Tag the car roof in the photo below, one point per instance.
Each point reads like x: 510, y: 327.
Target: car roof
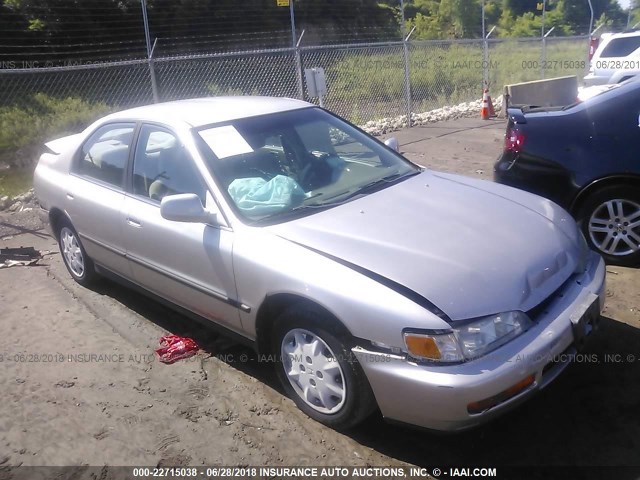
x: 205, y: 111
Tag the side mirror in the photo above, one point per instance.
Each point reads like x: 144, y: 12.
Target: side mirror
x: 392, y: 143
x: 185, y: 207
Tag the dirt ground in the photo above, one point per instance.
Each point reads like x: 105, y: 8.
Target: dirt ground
x: 80, y: 383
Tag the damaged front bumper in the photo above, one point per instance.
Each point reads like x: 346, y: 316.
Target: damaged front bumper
x: 439, y: 397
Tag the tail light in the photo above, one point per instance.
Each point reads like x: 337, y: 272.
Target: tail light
x: 513, y: 140
x: 593, y: 46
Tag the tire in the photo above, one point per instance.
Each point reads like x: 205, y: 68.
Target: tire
x: 78, y: 263
x: 610, y: 221
x: 338, y: 393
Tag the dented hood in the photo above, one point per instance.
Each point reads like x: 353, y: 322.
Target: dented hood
x: 470, y: 247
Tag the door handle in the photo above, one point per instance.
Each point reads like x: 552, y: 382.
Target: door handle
x: 133, y: 222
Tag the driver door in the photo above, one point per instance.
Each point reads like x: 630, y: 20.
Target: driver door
x: 186, y: 263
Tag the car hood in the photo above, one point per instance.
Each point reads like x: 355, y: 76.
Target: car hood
x: 470, y: 247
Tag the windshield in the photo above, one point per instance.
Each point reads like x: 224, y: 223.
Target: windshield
x: 274, y: 165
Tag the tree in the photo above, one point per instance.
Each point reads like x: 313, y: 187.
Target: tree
x: 635, y: 12
x: 446, y: 18
x: 577, y: 14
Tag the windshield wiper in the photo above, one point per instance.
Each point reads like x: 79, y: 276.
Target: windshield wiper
x: 392, y: 178
x: 388, y: 179
x: 318, y: 206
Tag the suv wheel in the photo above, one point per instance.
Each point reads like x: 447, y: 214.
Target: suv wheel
x: 610, y: 220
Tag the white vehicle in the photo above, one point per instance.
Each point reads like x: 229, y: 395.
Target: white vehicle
x: 617, y: 59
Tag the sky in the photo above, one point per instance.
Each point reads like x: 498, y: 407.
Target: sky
x: 624, y: 3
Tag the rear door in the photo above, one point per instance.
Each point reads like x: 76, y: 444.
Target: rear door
x: 615, y: 116
x: 186, y: 263
x: 95, y: 194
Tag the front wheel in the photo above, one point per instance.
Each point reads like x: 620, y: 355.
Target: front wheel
x: 318, y: 372
x: 610, y: 221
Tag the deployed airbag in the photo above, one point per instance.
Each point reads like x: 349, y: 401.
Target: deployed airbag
x: 257, y: 196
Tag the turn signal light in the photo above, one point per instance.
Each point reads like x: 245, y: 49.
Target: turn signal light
x: 422, y: 346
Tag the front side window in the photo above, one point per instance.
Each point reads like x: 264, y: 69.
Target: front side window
x: 275, y: 164
x: 162, y: 167
x: 104, y: 155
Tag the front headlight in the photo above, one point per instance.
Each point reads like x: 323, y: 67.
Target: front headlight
x: 467, y: 341
x: 483, y: 335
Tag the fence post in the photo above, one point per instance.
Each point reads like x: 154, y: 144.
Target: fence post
x: 296, y: 45
x: 407, y: 77
x: 543, y: 52
x: 152, y: 71
x: 150, y: 49
x: 299, y: 72
x: 485, y: 52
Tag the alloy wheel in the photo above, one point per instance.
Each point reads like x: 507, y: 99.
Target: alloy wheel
x: 614, y: 227
x: 72, y: 251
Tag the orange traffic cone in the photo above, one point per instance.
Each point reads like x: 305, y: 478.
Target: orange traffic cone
x: 484, y: 111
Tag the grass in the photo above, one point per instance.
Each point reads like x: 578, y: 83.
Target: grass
x: 364, y: 84
x: 31, y: 121
x: 369, y: 84
x: 14, y: 181
x: 34, y: 119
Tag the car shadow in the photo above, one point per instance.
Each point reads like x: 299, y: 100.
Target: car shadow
x: 209, y: 339
x: 587, y: 416
x: 16, y: 230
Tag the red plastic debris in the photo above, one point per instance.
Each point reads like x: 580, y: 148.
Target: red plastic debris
x: 174, y: 348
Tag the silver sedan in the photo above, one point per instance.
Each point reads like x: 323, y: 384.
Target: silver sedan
x: 371, y: 282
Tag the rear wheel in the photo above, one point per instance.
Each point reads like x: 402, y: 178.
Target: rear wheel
x: 318, y: 371
x: 610, y: 221
x: 74, y: 256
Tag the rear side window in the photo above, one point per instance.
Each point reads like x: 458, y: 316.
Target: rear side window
x: 162, y: 167
x: 621, y: 47
x: 104, y: 155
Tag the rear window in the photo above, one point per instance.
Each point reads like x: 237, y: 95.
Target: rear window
x: 621, y: 47
x: 104, y: 155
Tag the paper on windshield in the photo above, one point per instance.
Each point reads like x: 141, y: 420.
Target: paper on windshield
x: 225, y: 141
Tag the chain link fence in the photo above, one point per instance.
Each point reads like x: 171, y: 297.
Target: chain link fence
x: 445, y: 73
x: 527, y: 59
x: 365, y: 81
x: 269, y: 72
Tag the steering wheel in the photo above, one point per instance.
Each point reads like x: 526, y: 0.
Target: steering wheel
x: 317, y: 173
x: 162, y: 174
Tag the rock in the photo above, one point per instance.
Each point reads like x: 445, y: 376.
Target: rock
x: 14, y: 206
x: 4, y: 202
x: 65, y: 384
x: 448, y: 112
